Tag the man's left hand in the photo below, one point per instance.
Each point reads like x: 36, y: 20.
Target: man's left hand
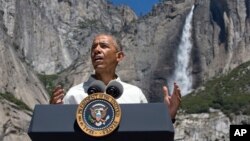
x: 173, y: 102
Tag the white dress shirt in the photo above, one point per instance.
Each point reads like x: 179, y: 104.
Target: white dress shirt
x: 131, y: 93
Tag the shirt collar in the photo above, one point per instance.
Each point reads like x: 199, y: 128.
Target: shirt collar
x: 92, y: 79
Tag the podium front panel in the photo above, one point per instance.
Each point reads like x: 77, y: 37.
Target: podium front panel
x: 140, y: 122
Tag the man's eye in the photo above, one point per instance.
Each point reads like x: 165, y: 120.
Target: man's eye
x: 104, y: 46
x: 93, y: 46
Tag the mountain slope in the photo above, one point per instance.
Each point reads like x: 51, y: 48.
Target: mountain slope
x: 229, y: 92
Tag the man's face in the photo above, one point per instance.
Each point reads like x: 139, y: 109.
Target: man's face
x: 104, y: 54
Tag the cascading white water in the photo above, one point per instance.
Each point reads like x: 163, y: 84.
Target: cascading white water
x: 182, y: 74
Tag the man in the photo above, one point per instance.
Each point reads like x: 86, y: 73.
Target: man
x: 106, y: 53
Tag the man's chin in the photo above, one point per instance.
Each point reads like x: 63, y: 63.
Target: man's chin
x: 99, y: 68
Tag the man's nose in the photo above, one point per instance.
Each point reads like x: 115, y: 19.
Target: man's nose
x: 97, y: 49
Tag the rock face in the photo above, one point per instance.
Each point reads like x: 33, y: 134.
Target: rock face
x: 16, y: 77
x: 53, y: 34
x: 14, y: 122
x: 208, y: 126
x: 50, y: 37
x: 221, y: 37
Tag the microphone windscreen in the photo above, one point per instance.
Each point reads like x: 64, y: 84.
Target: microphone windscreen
x: 114, y: 88
x: 96, y: 86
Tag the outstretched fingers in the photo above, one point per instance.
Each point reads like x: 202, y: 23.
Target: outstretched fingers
x: 177, y: 92
x: 166, y: 95
x: 175, y: 101
x: 57, y: 95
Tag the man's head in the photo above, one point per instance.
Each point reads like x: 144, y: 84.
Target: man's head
x: 106, y: 53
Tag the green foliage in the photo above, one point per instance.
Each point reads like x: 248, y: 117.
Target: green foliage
x: 229, y: 93
x: 48, y: 81
x: 11, y: 98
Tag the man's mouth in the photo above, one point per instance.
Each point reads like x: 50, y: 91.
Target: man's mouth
x: 98, y: 58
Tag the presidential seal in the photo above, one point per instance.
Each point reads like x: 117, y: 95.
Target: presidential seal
x: 98, y: 114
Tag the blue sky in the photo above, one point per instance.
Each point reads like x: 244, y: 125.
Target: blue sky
x: 141, y: 7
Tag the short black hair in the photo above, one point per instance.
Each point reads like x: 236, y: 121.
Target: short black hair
x: 116, y: 41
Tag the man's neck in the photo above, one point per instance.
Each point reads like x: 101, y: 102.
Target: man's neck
x: 105, y: 77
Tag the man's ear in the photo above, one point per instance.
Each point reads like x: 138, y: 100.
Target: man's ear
x: 120, y: 55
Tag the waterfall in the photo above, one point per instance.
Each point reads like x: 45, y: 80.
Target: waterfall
x: 182, y: 74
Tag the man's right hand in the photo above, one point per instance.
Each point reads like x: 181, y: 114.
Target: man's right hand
x: 57, y: 95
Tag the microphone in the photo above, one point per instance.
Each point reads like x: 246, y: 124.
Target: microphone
x: 114, y: 88
x: 96, y: 87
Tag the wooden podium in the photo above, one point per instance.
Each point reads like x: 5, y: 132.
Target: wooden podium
x: 139, y: 122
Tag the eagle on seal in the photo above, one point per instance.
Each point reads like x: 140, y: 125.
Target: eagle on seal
x: 98, y: 115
